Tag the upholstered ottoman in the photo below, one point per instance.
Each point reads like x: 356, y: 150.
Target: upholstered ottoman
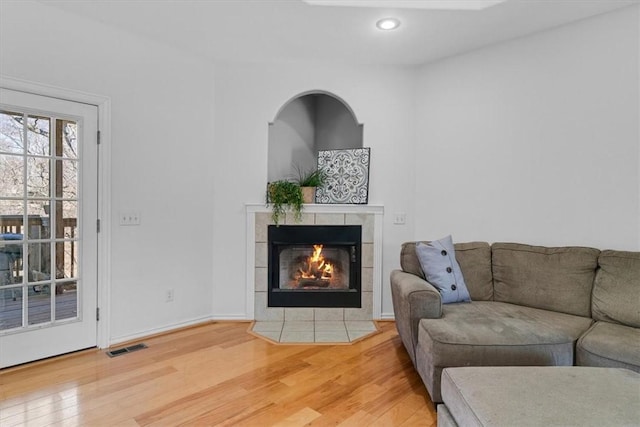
x: 539, y: 396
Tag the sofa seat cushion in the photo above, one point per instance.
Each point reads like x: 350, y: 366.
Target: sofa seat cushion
x: 488, y: 333
x: 494, y: 333
x: 610, y: 345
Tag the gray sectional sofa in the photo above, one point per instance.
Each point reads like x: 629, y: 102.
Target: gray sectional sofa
x: 531, y: 306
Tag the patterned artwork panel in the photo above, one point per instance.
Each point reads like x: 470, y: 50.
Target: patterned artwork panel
x: 347, y: 173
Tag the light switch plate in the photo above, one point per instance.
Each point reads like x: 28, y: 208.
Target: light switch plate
x: 400, y: 218
x: 129, y: 218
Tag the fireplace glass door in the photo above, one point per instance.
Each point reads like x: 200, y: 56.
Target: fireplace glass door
x: 314, y: 266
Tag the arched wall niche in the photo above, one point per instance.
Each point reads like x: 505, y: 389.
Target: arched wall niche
x: 307, y: 123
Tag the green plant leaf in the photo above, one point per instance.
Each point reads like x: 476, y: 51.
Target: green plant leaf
x: 311, y: 178
x: 285, y: 196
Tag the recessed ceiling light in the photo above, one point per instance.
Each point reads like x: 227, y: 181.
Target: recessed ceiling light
x: 388, y: 24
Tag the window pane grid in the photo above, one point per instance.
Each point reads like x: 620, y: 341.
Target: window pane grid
x: 40, y: 208
x: 12, y: 132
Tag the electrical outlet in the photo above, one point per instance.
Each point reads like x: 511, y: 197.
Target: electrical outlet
x: 400, y: 218
x: 169, y: 295
x: 129, y: 218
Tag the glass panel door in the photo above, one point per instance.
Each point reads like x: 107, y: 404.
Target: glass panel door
x: 48, y: 200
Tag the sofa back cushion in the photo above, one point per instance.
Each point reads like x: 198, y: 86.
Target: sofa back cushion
x: 616, y: 292
x: 558, y: 279
x: 475, y: 262
x: 409, y: 261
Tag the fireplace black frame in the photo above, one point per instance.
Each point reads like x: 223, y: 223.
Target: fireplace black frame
x: 347, y: 236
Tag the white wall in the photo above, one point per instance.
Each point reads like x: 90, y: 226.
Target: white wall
x: 336, y: 127
x: 304, y: 126
x: 534, y: 140
x: 248, y: 98
x: 162, y: 154
x: 292, y: 139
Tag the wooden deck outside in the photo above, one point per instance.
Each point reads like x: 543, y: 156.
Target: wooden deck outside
x: 39, y: 307
x: 38, y: 228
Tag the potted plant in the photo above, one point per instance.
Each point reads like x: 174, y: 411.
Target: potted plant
x: 284, y: 196
x: 308, y: 181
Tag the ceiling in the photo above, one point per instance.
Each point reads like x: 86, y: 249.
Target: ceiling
x: 411, y: 4
x: 294, y: 30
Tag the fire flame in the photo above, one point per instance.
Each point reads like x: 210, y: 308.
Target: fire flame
x: 316, y: 267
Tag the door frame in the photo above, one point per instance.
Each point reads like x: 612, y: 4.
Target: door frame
x: 104, y: 187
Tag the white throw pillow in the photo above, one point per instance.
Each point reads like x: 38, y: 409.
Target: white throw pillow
x: 438, y: 262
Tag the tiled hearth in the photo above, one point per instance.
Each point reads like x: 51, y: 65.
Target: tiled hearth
x: 314, y: 332
x: 370, y: 217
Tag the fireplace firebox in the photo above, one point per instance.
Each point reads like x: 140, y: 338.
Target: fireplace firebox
x: 314, y: 265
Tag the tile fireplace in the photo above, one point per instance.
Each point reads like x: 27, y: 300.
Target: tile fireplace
x: 367, y: 218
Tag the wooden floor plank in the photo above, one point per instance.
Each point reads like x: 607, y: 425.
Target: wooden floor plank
x: 359, y: 419
x: 403, y: 411
x: 300, y: 418
x: 218, y: 374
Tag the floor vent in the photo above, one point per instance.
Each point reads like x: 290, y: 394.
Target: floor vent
x: 125, y: 350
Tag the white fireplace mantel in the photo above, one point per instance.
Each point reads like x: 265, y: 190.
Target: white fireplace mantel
x: 377, y: 211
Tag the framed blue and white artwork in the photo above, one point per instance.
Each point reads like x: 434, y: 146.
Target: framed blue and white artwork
x: 347, y: 176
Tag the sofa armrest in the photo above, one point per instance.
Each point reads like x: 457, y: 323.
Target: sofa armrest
x: 413, y: 299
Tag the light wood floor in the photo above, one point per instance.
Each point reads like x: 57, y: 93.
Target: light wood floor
x: 218, y: 374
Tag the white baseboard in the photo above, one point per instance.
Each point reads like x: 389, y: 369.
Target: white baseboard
x: 162, y: 329
x: 194, y: 322
x: 240, y: 316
